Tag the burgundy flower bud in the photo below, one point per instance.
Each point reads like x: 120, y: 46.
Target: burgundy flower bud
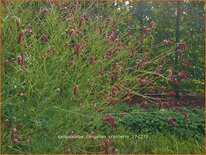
x: 20, y: 36
x: 81, y: 21
x: 12, y: 132
x: 19, y: 59
x: 78, y: 48
x: 171, y: 121
x: 167, y: 105
x: 91, y: 60
x: 172, y: 93
x: 139, y: 64
x: 183, y: 75
x: 142, y: 81
x: 15, y: 141
x: 106, y: 144
x: 44, y: 38
x: 151, y: 24
x: 75, y: 90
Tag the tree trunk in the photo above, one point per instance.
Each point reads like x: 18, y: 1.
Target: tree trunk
x: 177, y: 41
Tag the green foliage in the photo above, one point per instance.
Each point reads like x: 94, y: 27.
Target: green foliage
x: 192, y: 27
x: 151, y: 122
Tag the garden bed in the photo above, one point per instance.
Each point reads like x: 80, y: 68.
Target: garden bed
x: 182, y: 101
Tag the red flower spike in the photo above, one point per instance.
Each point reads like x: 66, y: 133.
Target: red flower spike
x: 129, y: 31
x: 91, y: 60
x: 146, y: 105
x: 75, y: 90
x: 30, y: 31
x: 71, y: 32
x: 171, y: 121
x: 176, y: 109
x: 111, y: 37
x: 116, y: 50
x: 142, y: 82
x: 15, y: 141
x: 160, y: 102
x: 102, y: 17
x: 114, y: 75
x: 19, y: 59
x: 101, y: 68
x: 118, y: 88
x: 74, y: 6
x: 187, y: 64
x: 114, y: 66
x: 134, y: 55
x: 12, y: 132
x: 171, y: 93
x: 181, y: 46
x: 113, y: 90
x: 114, y: 87
x: 111, y: 102
x: 99, y: 146
x: 119, y: 43
x: 185, y: 117
x: 70, y: 64
x: 78, y: 48
x: 175, y: 81
x: 106, y: 144
x: 109, y: 119
x: 27, y: 45
x: 70, y: 16
x: 167, y: 105
x: 20, y: 36
x: 100, y: 29
x: 172, y: 101
x: 101, y: 94
x: 151, y: 24
x: 107, y: 57
x: 139, y: 64
x: 157, y: 70
x: 183, y: 75
x: 100, y: 110
x: 81, y: 21
x: 44, y: 38
x: 146, y: 29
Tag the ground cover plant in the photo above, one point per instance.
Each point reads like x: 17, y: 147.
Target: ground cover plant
x: 70, y: 71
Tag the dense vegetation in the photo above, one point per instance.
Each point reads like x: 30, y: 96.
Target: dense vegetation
x: 71, y: 69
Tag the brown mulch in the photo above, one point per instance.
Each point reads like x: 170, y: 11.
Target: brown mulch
x: 182, y: 101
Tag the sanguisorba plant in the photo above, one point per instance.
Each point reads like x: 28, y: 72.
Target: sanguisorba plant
x: 68, y: 65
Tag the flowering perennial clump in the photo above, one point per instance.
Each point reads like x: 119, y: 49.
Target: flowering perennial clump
x: 82, y: 60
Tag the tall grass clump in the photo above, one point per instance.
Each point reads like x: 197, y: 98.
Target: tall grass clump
x: 68, y: 65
